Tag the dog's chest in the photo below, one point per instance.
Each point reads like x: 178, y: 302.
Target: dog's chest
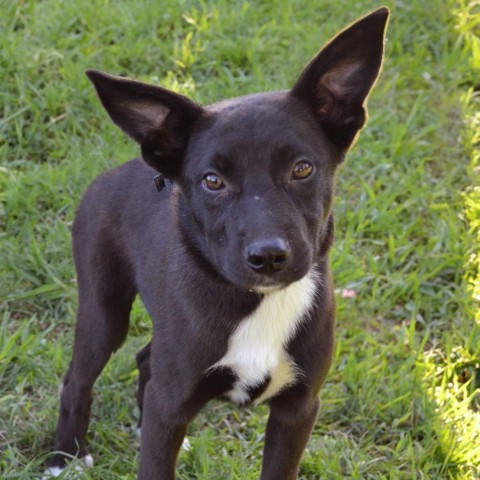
x: 257, y: 348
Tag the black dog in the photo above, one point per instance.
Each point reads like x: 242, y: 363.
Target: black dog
x: 230, y: 259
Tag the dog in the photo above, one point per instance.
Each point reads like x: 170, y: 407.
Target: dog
x: 229, y: 255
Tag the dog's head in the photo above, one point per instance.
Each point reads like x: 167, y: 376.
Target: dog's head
x: 256, y: 173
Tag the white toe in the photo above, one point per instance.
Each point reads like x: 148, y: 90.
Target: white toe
x: 186, y: 445
x: 52, y: 472
x: 79, y: 465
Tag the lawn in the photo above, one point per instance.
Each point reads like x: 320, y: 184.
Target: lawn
x: 402, y: 400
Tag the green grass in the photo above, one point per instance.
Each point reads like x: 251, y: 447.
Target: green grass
x: 402, y: 400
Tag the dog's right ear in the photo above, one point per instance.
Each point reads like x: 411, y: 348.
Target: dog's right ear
x: 158, y: 119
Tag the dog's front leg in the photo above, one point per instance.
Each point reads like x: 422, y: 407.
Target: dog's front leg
x: 289, y: 426
x: 163, y: 429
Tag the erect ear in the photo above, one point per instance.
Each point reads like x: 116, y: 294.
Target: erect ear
x: 158, y: 119
x: 338, y: 80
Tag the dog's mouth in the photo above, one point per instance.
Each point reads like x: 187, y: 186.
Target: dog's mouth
x: 270, y: 286
x: 266, y: 285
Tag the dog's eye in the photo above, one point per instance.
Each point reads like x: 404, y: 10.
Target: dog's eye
x: 213, y: 182
x: 302, y: 169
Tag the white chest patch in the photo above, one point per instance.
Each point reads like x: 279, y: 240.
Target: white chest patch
x: 257, y: 346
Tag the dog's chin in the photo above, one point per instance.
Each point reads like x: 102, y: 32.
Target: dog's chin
x: 265, y: 290
x: 262, y: 288
x: 266, y: 285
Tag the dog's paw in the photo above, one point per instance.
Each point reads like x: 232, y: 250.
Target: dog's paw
x: 87, y: 461
x: 79, y: 465
x: 186, y: 445
x: 52, y: 472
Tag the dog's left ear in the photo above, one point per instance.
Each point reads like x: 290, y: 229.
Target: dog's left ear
x: 338, y: 80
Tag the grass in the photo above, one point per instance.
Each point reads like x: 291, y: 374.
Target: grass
x: 403, y: 398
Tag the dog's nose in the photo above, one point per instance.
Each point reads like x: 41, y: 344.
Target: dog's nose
x: 267, y: 256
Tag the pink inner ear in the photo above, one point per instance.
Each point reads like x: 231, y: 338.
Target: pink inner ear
x: 325, y: 102
x: 335, y: 88
x: 341, y: 80
x: 149, y: 116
